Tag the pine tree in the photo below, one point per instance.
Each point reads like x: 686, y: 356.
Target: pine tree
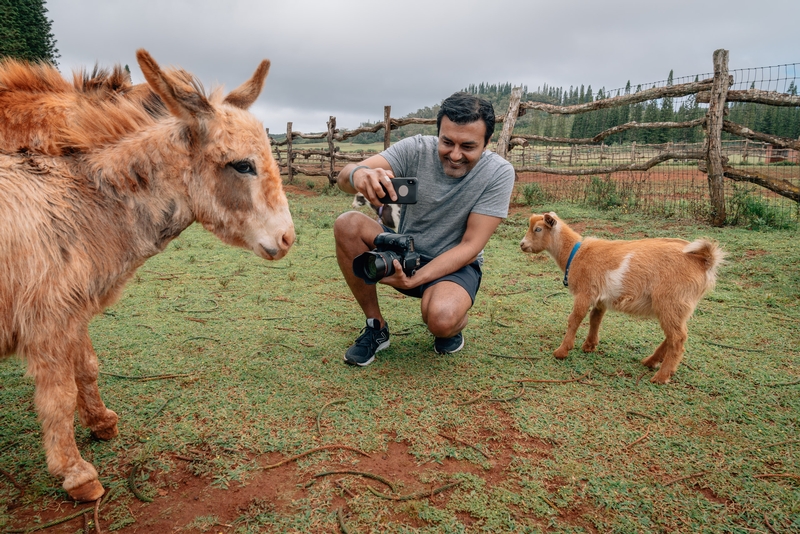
x: 25, y: 31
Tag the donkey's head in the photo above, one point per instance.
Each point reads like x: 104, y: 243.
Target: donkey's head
x: 234, y: 184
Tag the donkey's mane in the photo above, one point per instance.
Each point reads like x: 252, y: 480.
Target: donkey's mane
x: 29, y: 77
x: 115, y: 80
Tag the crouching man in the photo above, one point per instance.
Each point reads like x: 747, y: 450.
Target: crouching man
x: 463, y: 194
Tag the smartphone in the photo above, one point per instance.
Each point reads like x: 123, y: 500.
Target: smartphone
x: 406, y: 189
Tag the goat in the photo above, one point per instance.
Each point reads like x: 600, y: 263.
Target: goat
x: 387, y: 214
x: 661, y: 278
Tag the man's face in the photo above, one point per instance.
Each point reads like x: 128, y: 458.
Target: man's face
x: 460, y: 146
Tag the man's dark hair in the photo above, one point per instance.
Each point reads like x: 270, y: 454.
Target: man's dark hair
x: 463, y: 108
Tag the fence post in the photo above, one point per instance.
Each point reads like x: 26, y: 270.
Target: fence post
x: 289, y: 155
x: 332, y: 150
x: 509, y: 122
x: 716, y: 109
x: 387, y: 126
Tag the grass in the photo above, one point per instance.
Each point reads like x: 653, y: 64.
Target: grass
x: 251, y: 355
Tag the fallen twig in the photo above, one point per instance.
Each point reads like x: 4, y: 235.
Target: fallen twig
x: 514, y: 357
x: 202, y: 337
x: 340, y: 518
x: 680, y: 479
x: 358, y: 473
x: 552, y: 505
x: 347, y: 491
x: 147, y: 378
x: 180, y: 308
x: 781, y: 384
x: 641, y: 376
x: 769, y: 526
x: 787, y: 442
x: 471, y: 401
x: 732, y: 347
x: 413, y: 496
x: 340, y: 401
x: 452, y: 438
x: 641, y: 415
x: 642, y: 438
x: 132, y: 485
x: 584, y: 375
x: 97, y: 517
x: 544, y: 300
x: 316, y: 449
x: 104, y: 499
x: 778, y: 475
x: 20, y: 488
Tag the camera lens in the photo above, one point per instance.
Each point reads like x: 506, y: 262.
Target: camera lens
x: 379, y: 264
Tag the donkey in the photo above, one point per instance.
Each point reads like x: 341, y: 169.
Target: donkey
x: 662, y: 278
x: 37, y: 105
x: 74, y: 229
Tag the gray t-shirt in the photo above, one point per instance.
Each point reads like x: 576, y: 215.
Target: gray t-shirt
x: 438, y: 220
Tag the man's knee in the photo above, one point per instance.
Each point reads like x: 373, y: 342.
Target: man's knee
x: 445, y: 309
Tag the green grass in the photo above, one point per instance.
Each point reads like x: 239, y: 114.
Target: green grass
x: 260, y: 349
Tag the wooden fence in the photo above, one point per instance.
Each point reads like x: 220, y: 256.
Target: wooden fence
x: 710, y: 157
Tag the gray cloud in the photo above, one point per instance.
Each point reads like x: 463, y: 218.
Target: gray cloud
x: 350, y: 58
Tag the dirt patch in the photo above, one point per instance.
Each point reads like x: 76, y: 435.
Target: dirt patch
x: 183, y: 496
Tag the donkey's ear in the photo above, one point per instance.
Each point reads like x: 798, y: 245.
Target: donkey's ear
x: 182, y: 100
x: 243, y: 96
x: 550, y: 219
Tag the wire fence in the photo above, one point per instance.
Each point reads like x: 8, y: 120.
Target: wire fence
x: 649, y: 148
x: 677, y: 187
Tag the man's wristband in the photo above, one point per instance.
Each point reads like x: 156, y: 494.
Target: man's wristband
x: 352, y: 172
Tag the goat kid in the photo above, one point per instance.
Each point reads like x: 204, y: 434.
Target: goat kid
x: 661, y: 278
x: 387, y: 214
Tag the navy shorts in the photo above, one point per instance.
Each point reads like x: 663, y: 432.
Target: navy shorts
x: 468, y: 277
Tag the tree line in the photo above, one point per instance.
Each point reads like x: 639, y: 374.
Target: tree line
x: 25, y: 31
x: 779, y: 121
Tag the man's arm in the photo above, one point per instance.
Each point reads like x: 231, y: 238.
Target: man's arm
x: 367, y: 181
x: 479, y: 229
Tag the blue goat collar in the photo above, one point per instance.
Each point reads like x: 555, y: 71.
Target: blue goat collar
x: 569, y: 262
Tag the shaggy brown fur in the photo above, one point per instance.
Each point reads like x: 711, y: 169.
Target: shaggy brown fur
x: 74, y: 228
x: 38, y: 106
x: 661, y: 278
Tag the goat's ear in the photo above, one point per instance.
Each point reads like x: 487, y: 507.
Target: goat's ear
x: 182, y: 99
x: 550, y: 220
x: 243, y: 96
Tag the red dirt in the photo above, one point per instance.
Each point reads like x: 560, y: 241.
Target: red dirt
x: 183, y: 496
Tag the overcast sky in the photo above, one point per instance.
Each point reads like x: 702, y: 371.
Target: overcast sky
x: 350, y: 58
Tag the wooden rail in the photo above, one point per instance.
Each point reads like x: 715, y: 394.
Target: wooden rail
x: 712, y: 91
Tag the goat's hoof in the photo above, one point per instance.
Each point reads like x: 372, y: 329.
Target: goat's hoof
x: 589, y: 347
x: 651, y: 362
x: 90, y: 491
x: 659, y: 378
x: 561, y: 354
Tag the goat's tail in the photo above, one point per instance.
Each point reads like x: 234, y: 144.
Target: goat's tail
x: 709, y: 254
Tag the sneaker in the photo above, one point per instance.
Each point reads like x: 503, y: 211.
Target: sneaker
x: 448, y: 345
x: 372, y: 339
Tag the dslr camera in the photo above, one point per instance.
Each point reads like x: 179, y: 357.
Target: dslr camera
x: 373, y: 265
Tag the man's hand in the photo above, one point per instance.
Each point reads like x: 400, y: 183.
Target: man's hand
x: 398, y: 280
x: 368, y: 182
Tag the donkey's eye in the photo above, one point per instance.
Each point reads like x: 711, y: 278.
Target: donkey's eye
x: 243, y: 167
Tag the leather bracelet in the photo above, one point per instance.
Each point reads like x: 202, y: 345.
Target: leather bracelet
x: 354, y: 171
